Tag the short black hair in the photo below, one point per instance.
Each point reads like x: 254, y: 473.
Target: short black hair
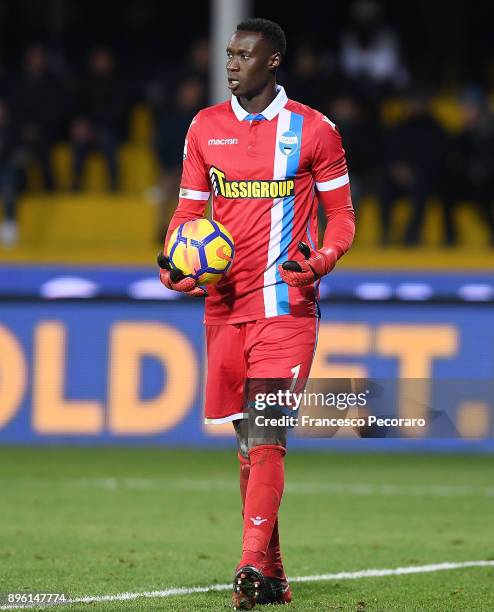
x: 269, y: 29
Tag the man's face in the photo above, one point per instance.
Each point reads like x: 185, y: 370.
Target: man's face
x: 251, y: 63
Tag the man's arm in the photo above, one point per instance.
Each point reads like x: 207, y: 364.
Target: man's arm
x: 332, y: 183
x: 191, y: 205
x: 194, y: 184
x: 193, y: 197
x: 336, y: 201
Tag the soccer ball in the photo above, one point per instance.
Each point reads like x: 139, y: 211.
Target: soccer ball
x: 202, y: 249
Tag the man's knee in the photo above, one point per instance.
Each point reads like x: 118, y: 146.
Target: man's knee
x: 274, y: 438
x: 248, y: 439
x: 243, y: 448
x: 268, y: 442
x: 242, y: 432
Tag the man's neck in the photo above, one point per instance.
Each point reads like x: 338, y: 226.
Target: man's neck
x: 256, y: 104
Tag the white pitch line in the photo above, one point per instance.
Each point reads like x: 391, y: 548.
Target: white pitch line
x: 302, y: 488
x: 399, y: 571
x: 370, y: 573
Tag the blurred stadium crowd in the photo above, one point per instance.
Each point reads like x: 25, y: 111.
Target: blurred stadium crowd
x: 401, y: 140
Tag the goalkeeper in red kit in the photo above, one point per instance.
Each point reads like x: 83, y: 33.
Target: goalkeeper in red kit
x: 267, y: 162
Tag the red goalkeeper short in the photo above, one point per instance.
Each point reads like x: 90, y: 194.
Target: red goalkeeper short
x: 279, y: 347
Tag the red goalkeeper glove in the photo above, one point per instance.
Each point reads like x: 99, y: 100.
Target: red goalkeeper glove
x: 306, y: 271
x: 174, y: 279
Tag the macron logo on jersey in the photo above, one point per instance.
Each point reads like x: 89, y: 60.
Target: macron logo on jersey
x: 214, y: 142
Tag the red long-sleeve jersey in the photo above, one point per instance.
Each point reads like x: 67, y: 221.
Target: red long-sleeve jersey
x: 265, y: 174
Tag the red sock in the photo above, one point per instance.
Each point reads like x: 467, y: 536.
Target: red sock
x: 263, y: 497
x: 244, y: 477
x: 273, y: 564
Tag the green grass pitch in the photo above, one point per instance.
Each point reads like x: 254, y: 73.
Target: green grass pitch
x: 105, y: 521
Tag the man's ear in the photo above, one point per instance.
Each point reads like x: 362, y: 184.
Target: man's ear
x: 274, y: 61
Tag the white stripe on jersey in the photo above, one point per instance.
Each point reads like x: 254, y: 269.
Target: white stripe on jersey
x: 192, y: 194
x: 333, y: 183
x: 280, y: 166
